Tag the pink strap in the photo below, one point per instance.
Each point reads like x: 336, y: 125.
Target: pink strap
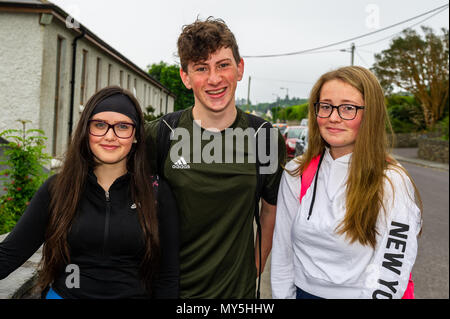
x: 409, y: 292
x: 308, y: 175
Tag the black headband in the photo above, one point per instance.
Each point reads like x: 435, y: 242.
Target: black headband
x: 119, y: 103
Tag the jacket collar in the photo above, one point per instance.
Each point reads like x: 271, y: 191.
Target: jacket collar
x: 92, y: 178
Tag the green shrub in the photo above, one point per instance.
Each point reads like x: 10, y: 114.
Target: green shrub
x: 303, y: 111
x: 297, y: 112
x: 402, y: 126
x: 149, y: 114
x: 24, y: 158
x: 406, y: 118
x: 443, y: 126
x: 397, y: 99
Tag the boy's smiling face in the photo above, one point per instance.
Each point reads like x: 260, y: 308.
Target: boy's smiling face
x: 214, y: 81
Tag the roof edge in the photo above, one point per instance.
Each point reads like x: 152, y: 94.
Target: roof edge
x: 48, y: 7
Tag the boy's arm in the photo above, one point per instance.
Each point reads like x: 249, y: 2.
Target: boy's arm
x: 269, y: 206
x: 267, y: 219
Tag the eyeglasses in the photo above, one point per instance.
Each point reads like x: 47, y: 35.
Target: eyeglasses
x: 100, y: 128
x: 345, y: 111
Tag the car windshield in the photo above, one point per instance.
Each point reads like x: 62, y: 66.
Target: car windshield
x: 282, y: 129
x: 294, y: 132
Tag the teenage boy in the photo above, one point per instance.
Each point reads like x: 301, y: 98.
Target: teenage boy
x: 216, y: 198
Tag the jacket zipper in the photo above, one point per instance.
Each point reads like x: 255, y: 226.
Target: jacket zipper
x: 106, y: 232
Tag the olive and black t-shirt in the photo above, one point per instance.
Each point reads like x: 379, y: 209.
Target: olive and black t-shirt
x: 215, y: 197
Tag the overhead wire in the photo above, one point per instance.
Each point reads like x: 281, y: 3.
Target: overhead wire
x: 440, y: 9
x: 276, y: 80
x: 362, y: 59
x: 411, y: 26
x: 435, y: 12
x: 359, y: 46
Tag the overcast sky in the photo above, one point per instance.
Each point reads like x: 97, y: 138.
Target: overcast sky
x: 146, y: 32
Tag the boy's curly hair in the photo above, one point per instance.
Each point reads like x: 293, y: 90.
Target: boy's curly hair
x: 200, y: 39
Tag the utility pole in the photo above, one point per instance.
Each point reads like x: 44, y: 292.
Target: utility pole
x: 248, y: 93
x: 275, y: 115
x: 352, y: 51
x: 286, y: 98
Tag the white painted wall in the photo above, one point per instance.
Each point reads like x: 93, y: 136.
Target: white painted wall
x: 48, y: 85
x: 171, y: 105
x: 28, y: 55
x: 21, y: 38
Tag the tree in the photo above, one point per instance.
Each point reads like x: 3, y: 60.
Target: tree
x: 169, y: 76
x: 405, y: 113
x: 420, y: 66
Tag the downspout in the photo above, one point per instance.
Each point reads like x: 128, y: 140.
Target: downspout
x: 167, y: 101
x: 72, y: 81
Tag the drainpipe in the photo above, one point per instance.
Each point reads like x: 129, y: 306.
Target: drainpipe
x: 72, y: 81
x: 167, y: 101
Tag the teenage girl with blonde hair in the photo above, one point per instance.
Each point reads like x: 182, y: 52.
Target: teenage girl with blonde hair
x: 354, y: 233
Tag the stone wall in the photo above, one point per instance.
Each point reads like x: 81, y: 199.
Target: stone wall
x: 20, y: 283
x: 412, y: 139
x: 433, y: 149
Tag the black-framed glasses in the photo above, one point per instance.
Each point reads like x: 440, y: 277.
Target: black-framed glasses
x: 345, y: 111
x: 121, y: 129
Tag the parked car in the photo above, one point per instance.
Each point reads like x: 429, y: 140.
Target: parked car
x: 292, y: 135
x: 302, y: 143
x: 281, y: 126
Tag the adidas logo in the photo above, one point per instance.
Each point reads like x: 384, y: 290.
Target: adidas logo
x: 181, y: 164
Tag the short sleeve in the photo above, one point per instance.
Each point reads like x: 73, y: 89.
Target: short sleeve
x: 272, y: 181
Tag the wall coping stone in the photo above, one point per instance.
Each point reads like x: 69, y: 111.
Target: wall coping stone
x: 20, y: 281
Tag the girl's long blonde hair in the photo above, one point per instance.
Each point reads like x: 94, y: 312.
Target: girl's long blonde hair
x: 370, y: 157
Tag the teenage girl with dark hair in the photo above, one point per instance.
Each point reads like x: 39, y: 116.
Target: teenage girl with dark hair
x: 101, y: 213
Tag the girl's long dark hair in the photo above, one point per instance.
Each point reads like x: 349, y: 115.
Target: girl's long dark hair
x: 72, y: 179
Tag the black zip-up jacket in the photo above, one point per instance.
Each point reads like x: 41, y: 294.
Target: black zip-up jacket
x: 105, y: 243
